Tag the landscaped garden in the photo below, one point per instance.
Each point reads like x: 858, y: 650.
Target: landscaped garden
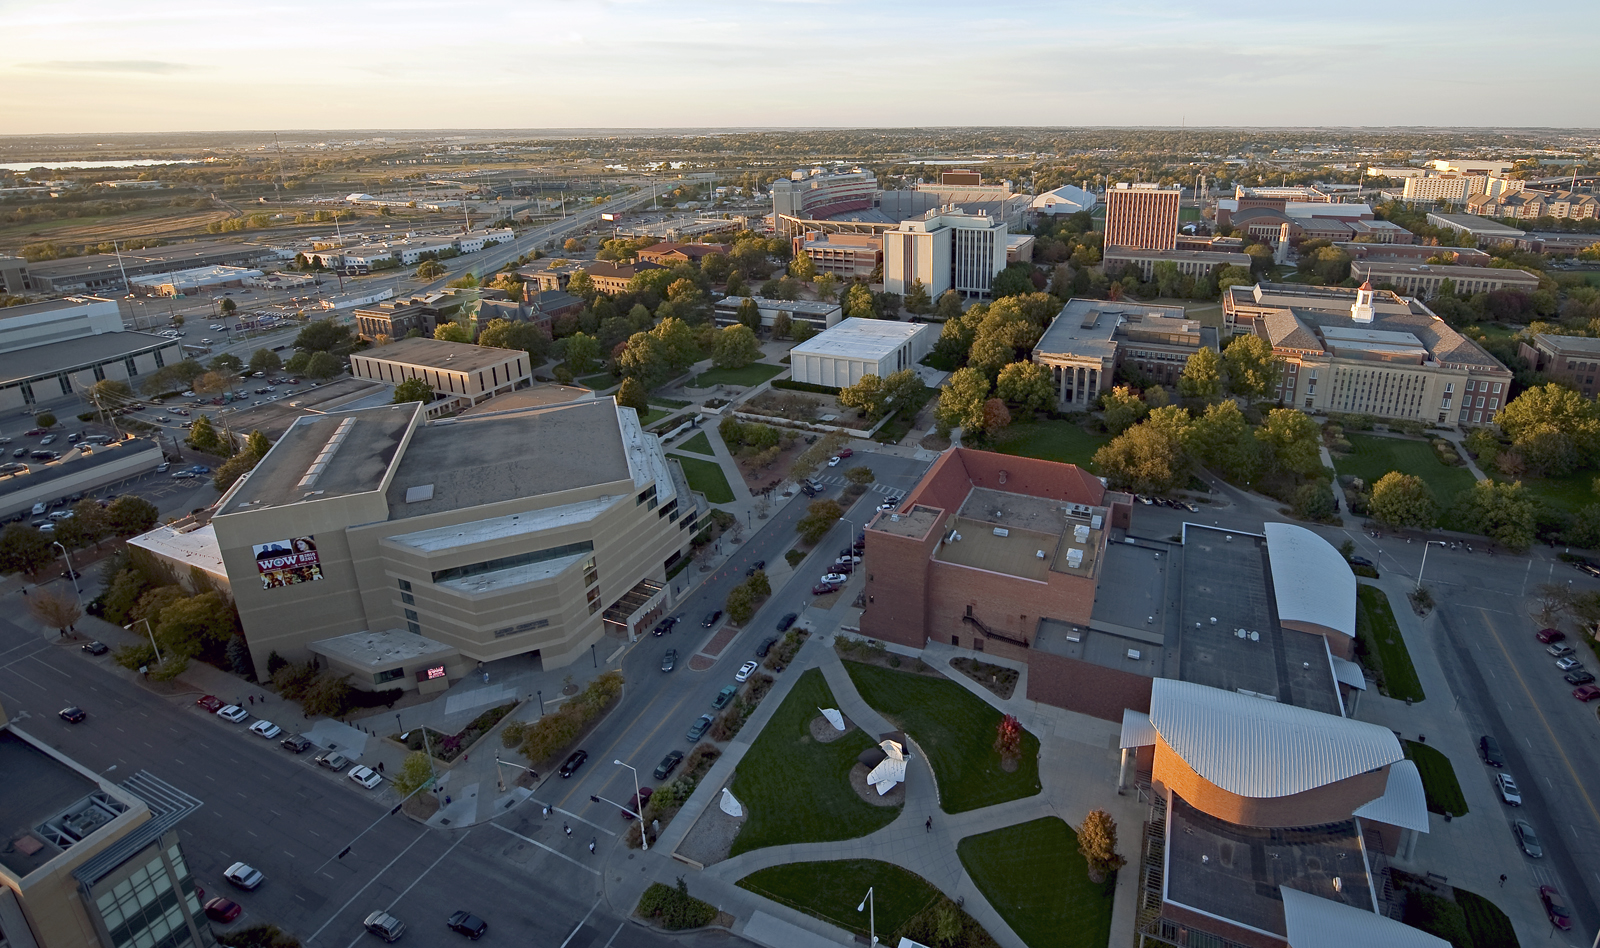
x: 1034, y: 876
x: 706, y: 477
x: 1381, y: 648
x: 1439, y: 782
x: 796, y: 789
x: 1372, y: 456
x: 699, y: 444
x: 1054, y: 439
x: 906, y: 905
x: 748, y: 376
x: 956, y: 730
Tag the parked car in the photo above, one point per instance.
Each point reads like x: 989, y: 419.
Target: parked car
x: 72, y: 715
x: 786, y: 621
x: 1559, y: 651
x: 668, y: 764
x: 724, y: 696
x: 365, y: 776
x: 889, y: 504
x: 711, y: 618
x: 333, y: 760
x: 297, y: 743
x: 669, y: 660
x: 758, y: 566
x: 637, y: 801
x: 701, y: 725
x: 846, y: 452
x: 385, y: 926
x: 266, y: 729
x: 1490, y: 748
x: 745, y: 671
x: 766, y: 646
x: 665, y: 625
x: 1549, y: 635
x: 210, y: 702
x: 573, y: 762
x: 838, y: 579
x: 822, y: 589
x: 1508, y: 789
x: 1555, y: 908
x: 1528, y: 839
x: 465, y: 923
x: 220, y: 909
x: 96, y: 648
x: 243, y: 876
x: 163, y: 467
x: 1580, y: 677
x: 1586, y: 692
x: 834, y: 461
x: 1569, y: 663
x: 233, y: 713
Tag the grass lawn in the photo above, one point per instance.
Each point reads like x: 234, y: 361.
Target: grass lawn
x: 1374, y: 456
x: 1438, y: 779
x: 956, y: 730
x: 905, y: 416
x: 832, y: 890
x: 1052, y: 440
x: 1570, y: 492
x: 1034, y: 877
x: 798, y: 790
x: 707, y: 478
x: 1488, y: 926
x: 652, y: 416
x: 750, y: 376
x: 1381, y: 648
x: 699, y: 444
x: 660, y: 402
x: 600, y: 382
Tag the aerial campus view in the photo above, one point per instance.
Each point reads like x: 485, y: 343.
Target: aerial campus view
x: 606, y: 476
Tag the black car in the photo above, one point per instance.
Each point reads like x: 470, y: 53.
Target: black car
x: 669, y: 660
x: 467, y: 924
x: 766, y: 646
x: 711, y: 619
x: 96, y: 648
x: 786, y: 621
x: 72, y: 715
x: 571, y: 765
x: 668, y: 764
x: 1579, y: 677
x: 665, y: 625
x: 1491, y: 751
x: 297, y: 743
x: 758, y: 567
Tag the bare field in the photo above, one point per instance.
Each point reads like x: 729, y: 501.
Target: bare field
x: 164, y: 222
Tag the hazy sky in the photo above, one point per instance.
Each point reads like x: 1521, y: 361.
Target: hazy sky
x: 154, y: 65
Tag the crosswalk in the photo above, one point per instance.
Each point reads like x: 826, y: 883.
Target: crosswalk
x: 834, y: 480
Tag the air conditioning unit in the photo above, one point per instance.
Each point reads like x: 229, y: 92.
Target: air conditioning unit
x: 1001, y: 532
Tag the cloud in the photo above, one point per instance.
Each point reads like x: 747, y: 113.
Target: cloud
x: 148, y: 67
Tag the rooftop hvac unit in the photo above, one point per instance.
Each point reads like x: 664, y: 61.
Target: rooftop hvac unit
x: 1039, y: 554
x: 1001, y: 532
x: 1074, y: 558
x: 1075, y: 636
x: 1096, y: 521
x: 1080, y: 533
x: 1230, y: 538
x: 1133, y: 654
x: 1240, y: 633
x: 1255, y: 636
x: 894, y: 517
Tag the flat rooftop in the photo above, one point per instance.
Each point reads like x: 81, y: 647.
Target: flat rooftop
x: 1584, y: 344
x: 378, y: 649
x: 814, y: 307
x: 1382, y: 268
x: 1472, y: 223
x: 861, y: 338
x: 1086, y: 327
x: 197, y: 547
x: 71, y: 354
x: 357, y: 464
x: 274, y: 418
x: 914, y: 523
x: 75, y: 459
x: 540, y: 395
x: 1234, y: 872
x: 438, y: 354
x: 1099, y: 647
x: 1018, y: 535
x: 1226, y: 586
x: 36, y: 788
x: 1137, y: 593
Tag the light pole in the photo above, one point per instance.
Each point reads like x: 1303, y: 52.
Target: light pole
x: 872, y: 917
x: 71, y: 573
x: 644, y: 837
x: 1424, y: 565
x: 152, y: 635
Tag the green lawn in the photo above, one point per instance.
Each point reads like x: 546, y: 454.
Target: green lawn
x: 956, y: 730
x: 1381, y: 647
x: 832, y: 890
x: 750, y: 376
x: 599, y: 382
x: 652, y: 416
x: 668, y: 402
x: 1052, y: 440
x: 1488, y: 926
x: 1034, y: 877
x: 699, y: 444
x: 1374, y: 456
x: 707, y: 478
x: 796, y: 790
x: 1570, y: 492
x: 1438, y: 779
x: 904, y: 417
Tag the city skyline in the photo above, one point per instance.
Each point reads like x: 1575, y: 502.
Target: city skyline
x: 94, y: 66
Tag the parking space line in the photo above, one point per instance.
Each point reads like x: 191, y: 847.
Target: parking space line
x: 585, y: 921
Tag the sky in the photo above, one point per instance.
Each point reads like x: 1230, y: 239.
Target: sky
x: 177, y: 65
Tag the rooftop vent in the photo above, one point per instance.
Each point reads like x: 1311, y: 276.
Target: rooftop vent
x: 416, y: 495
x: 326, y: 455
x: 1001, y: 532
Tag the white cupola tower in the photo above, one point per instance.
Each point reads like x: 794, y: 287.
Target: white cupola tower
x: 1361, y: 312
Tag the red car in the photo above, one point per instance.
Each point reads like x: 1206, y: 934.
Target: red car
x: 1550, y: 635
x: 35, y: 432
x: 845, y: 452
x: 636, y: 803
x: 822, y: 589
x: 1586, y: 692
x: 220, y: 909
x: 211, y: 703
x: 1555, y: 907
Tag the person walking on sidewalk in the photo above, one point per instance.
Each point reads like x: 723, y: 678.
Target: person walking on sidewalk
x: 591, y: 844
x: 567, y: 827
x: 928, y: 826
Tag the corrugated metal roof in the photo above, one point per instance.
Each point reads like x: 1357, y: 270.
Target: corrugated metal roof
x: 1255, y: 747
x: 1348, y: 673
x: 1311, y: 581
x: 1313, y: 922
x: 1403, y: 803
x: 1137, y: 731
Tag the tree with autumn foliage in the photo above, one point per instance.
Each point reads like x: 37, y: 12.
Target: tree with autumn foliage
x: 1097, y: 841
x: 1008, y: 739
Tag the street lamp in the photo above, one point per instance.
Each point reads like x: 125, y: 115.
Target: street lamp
x: 152, y: 635
x: 71, y: 573
x: 644, y: 837
x: 1424, y: 565
x: 872, y: 917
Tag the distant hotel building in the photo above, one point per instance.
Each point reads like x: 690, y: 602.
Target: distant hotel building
x: 848, y: 256
x: 1142, y: 216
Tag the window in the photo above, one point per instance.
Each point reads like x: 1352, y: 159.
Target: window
x: 1497, y: 388
x: 405, y: 585
x: 510, y: 562
x: 590, y: 574
x: 408, y: 599
x: 593, y: 596
x: 414, y: 628
x: 379, y: 678
x: 411, y: 615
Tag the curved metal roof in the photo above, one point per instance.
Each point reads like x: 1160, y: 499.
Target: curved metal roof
x: 1310, y: 921
x: 1136, y: 729
x: 1311, y: 581
x: 1256, y: 747
x: 1403, y: 802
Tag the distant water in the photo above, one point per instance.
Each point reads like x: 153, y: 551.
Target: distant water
x: 59, y: 165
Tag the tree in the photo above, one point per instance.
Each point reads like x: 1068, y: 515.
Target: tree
x: 23, y: 549
x: 918, y: 302
x: 1293, y: 442
x: 203, y: 436
x: 741, y: 604
x: 129, y: 515
x: 229, y: 307
x: 412, y: 390
x: 632, y: 395
x: 867, y: 395
x: 109, y: 394
x: 1148, y: 458
x: 1221, y: 440
x: 430, y: 270
x: 735, y: 347
x: 1402, y: 501
x: 948, y: 307
x: 961, y: 400
x: 858, y: 302
x: 1500, y: 511
x: 324, y: 335
x: 328, y: 695
x: 582, y: 285
x: 1014, y: 280
x: 996, y: 416
x: 802, y: 267
x: 1028, y: 385
x: 414, y: 773
x: 1097, y: 842
x: 803, y: 329
x: 1556, y: 429
x: 1202, y: 375
x: 213, y: 383
x: 782, y: 324
x: 226, y: 362
x: 515, y: 334
x: 197, y: 625
x: 1252, y: 372
x: 582, y: 353
x: 452, y: 332
x: 860, y: 476
x: 1008, y: 738
x: 819, y: 519
x: 1123, y: 408
x: 230, y: 470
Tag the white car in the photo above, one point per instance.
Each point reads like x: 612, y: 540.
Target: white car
x: 365, y: 776
x: 1508, y: 789
x: 216, y: 328
x: 243, y: 876
x: 745, y: 671
x: 889, y: 505
x: 266, y: 729
x: 834, y: 461
x: 233, y: 713
x: 837, y: 579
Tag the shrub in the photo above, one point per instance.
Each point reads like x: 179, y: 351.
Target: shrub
x: 675, y: 907
x: 541, y: 739
x: 258, y: 936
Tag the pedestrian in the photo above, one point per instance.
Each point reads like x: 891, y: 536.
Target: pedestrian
x: 1502, y: 880
x: 252, y: 700
x: 547, y: 811
x: 928, y: 826
x: 568, y: 828
x: 591, y: 843
x: 380, y: 766
x: 465, y: 758
x: 447, y: 799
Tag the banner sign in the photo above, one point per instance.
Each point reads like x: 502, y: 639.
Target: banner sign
x: 286, y: 562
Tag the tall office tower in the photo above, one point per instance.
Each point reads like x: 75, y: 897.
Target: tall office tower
x: 1142, y: 216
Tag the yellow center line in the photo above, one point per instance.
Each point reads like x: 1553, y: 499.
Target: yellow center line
x: 610, y: 748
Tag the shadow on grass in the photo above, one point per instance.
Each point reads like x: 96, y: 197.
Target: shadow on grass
x: 1033, y: 875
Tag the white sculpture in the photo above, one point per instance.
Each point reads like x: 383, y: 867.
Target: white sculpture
x: 834, y: 717
x: 730, y: 805
x: 891, y: 770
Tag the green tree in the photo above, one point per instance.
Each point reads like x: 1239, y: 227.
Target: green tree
x: 741, y: 604
x: 323, y: 365
x: 265, y: 360
x: 203, y: 436
x: 229, y: 307
x: 1252, y: 372
x: 903, y: 388
x: 1014, y: 280
x: 644, y: 357
x: 197, y: 625
x: 1500, y: 511
x: 412, y: 390
x: 750, y: 314
x: 226, y: 362
x: 735, y: 347
x: 582, y: 285
x: 1150, y: 457
x: 1231, y: 276
x: 1402, y: 501
x: 1221, y: 440
x: 802, y: 267
x: 110, y: 394
x: 860, y: 476
x: 632, y: 395
x: 1556, y: 429
x: 231, y: 470
x: 961, y: 400
x: 948, y: 307
x: 781, y: 325
x: 324, y: 335
x: 23, y: 549
x: 452, y: 332
x: 328, y: 695
x: 1202, y: 375
x: 819, y: 519
x: 582, y: 353
x: 1293, y: 442
x: 129, y: 515
x: 1122, y: 408
x: 430, y: 270
x: 515, y: 334
x: 412, y: 775
x: 918, y: 302
x: 803, y: 329
x: 867, y: 395
x: 1028, y: 385
x: 858, y: 302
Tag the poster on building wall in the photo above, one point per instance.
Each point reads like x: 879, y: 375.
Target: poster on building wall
x: 286, y: 562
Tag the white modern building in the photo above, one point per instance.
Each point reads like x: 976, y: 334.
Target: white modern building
x: 1067, y: 199
x: 857, y: 347
x: 946, y: 248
